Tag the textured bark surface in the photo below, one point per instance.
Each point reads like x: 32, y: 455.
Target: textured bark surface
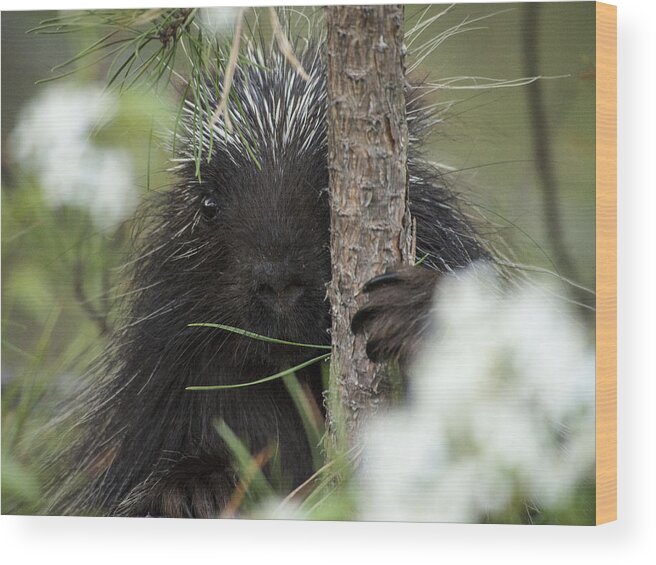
x: 367, y: 153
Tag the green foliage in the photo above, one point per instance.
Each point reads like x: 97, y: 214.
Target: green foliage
x: 58, y: 268
x: 155, y: 48
x: 578, y: 511
x: 139, y: 43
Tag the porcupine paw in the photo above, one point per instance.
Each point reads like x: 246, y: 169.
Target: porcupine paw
x: 395, y: 316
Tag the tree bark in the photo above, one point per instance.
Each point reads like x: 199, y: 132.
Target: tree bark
x: 367, y: 152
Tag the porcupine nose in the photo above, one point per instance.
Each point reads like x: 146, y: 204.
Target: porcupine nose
x: 276, y: 285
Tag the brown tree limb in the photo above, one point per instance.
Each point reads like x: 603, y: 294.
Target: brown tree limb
x: 371, y: 229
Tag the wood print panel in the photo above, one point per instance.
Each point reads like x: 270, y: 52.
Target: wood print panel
x: 172, y: 198
x: 606, y: 263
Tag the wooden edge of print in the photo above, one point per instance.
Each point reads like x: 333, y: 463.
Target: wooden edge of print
x: 606, y: 262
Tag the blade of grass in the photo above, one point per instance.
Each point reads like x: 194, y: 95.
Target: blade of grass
x: 247, y: 465
x: 329, y: 480
x: 310, y: 417
x: 95, y: 46
x: 30, y: 375
x: 279, y: 375
x: 258, y: 336
x: 247, y: 476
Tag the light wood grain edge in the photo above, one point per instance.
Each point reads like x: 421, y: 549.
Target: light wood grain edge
x: 606, y: 232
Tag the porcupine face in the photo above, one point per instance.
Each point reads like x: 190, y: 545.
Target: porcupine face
x: 269, y: 231
x: 260, y: 209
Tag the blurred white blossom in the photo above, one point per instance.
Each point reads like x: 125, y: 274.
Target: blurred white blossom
x: 219, y: 22
x: 274, y: 508
x: 54, y: 139
x: 501, y: 410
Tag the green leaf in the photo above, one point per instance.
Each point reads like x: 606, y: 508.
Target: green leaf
x: 279, y: 375
x: 247, y: 464
x: 258, y: 336
x: 313, y: 425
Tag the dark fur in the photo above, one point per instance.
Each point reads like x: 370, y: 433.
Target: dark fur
x: 248, y: 247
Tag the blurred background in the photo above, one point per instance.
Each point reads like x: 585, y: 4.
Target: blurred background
x: 77, y: 159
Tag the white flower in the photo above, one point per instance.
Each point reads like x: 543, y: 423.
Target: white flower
x: 219, y: 22
x: 501, y: 409
x: 54, y: 139
x: 274, y: 508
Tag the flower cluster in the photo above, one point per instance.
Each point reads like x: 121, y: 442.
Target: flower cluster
x: 500, y: 414
x: 55, y: 140
x: 219, y: 22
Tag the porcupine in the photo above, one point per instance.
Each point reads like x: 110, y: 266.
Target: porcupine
x: 247, y: 245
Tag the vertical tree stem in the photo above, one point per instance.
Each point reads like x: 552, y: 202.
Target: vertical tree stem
x: 367, y: 153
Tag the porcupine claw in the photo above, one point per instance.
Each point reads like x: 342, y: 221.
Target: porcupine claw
x: 395, y: 316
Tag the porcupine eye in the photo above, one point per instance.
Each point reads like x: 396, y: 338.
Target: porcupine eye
x: 209, y: 207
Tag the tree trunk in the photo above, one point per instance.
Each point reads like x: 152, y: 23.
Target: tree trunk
x: 367, y: 152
